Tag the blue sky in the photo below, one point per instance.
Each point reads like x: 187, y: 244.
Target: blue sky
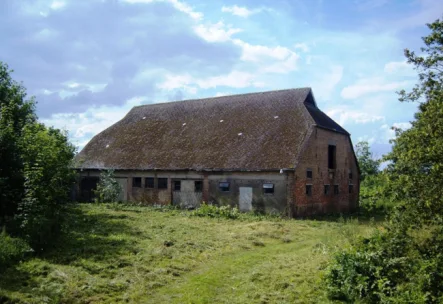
x: 88, y: 62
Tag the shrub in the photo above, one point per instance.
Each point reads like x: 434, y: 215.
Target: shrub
x: 12, y: 250
x: 108, y: 189
x: 217, y: 212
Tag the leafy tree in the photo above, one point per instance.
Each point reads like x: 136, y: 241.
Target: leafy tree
x: 366, y: 161
x: 15, y: 113
x: 35, y: 167
x: 108, y: 189
x: 403, y: 263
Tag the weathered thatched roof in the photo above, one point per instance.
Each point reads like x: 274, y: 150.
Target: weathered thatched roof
x: 257, y: 131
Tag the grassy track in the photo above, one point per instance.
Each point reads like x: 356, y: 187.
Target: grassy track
x: 120, y: 254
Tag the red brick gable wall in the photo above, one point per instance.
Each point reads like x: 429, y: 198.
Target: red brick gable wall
x: 315, y: 158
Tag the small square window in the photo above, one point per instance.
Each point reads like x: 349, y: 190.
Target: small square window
x: 162, y: 183
x: 268, y: 188
x: 309, y: 173
x: 309, y: 190
x: 198, y: 186
x: 149, y: 182
x: 326, y: 190
x: 224, y: 187
x: 351, y: 188
x: 136, y: 182
x: 177, y: 185
x: 335, y: 189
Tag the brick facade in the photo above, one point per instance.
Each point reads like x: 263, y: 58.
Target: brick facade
x: 315, y: 158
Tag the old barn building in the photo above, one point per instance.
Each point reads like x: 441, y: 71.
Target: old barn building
x: 272, y: 151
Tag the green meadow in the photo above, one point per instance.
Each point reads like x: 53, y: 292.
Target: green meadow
x: 111, y: 253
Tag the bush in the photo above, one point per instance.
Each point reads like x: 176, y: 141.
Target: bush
x: 108, y: 189
x: 217, y: 212
x: 12, y: 250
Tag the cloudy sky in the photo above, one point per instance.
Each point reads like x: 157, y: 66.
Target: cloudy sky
x: 89, y: 61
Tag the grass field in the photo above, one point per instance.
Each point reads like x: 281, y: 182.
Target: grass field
x: 122, y: 254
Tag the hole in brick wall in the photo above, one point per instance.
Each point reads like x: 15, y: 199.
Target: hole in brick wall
x: 336, y: 189
x: 332, y: 157
x: 326, y: 189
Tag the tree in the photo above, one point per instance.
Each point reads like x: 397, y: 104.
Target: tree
x: 15, y: 113
x: 35, y: 167
x: 368, y: 165
x: 403, y: 263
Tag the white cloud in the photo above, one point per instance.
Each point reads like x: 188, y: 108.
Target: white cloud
x: 329, y: 78
x: 178, y: 5
x: 387, y: 132
x: 371, y: 85
x: 240, y: 11
x: 55, y: 5
x: 345, y: 116
x: 235, y: 79
x: 400, y: 68
x: 82, y: 126
x: 218, y: 32
x: 276, y: 59
x: 302, y: 46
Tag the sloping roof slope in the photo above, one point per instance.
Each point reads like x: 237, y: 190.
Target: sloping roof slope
x: 256, y: 131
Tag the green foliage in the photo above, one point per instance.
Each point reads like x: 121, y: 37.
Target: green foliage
x: 217, y: 212
x: 12, y: 250
x: 108, y: 189
x: 144, y: 254
x: 48, y: 178
x: 368, y: 165
x: 403, y: 263
x: 375, y: 197
x: 15, y: 114
x: 35, y: 173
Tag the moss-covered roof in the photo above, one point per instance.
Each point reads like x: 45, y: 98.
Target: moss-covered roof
x: 256, y: 131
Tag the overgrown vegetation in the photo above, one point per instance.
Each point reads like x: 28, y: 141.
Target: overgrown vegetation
x: 403, y: 263
x: 108, y: 189
x: 114, y: 253
x: 35, y: 174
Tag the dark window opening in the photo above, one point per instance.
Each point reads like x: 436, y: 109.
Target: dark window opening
x: 268, y: 188
x: 149, y: 182
x: 309, y: 173
x: 326, y: 190
x: 350, y: 174
x: 309, y: 190
x: 162, y: 183
x: 177, y: 185
x: 137, y: 182
x: 198, y: 186
x: 224, y: 187
x: 332, y: 157
x: 335, y: 189
x: 351, y: 188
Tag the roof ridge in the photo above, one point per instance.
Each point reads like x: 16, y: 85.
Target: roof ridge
x: 220, y: 97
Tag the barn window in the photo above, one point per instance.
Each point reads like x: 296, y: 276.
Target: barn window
x: 350, y: 174
x: 309, y: 173
x: 332, y: 164
x: 136, y: 182
x: 149, y: 182
x: 224, y: 187
x: 351, y: 188
x: 177, y: 185
x: 326, y: 190
x: 162, y: 183
x: 268, y: 188
x: 198, y: 186
x: 309, y: 190
x: 335, y: 189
